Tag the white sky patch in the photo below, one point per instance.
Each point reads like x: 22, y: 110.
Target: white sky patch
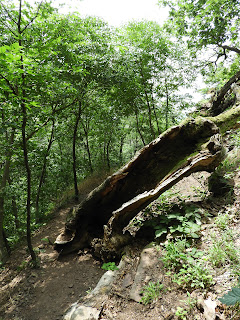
x: 118, y: 12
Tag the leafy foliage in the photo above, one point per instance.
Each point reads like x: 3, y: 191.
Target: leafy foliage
x: 176, y: 221
x: 187, y: 265
x: 109, y: 266
x: 151, y: 292
x: 92, y: 95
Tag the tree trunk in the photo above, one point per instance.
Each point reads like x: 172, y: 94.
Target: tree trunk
x: 74, y: 152
x: 194, y: 145
x: 167, y: 107
x: 14, y: 208
x: 99, y: 220
x: 5, y: 177
x: 121, y: 150
x: 138, y: 127
x: 28, y: 173
x: 38, y: 216
x: 108, y: 154
x: 86, y: 128
x: 219, y: 103
x: 148, y: 106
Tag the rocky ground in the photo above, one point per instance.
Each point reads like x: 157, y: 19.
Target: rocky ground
x: 48, y: 292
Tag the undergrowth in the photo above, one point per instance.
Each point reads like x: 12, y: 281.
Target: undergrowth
x: 151, y: 292
x: 186, y: 265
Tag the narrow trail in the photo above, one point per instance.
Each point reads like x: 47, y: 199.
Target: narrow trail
x: 45, y: 293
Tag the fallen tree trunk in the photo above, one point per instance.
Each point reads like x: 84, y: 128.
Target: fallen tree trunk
x: 194, y: 145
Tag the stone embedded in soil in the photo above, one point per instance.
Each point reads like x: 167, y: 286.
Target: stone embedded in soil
x: 82, y: 313
x: 91, y: 306
x: 127, y: 281
x: 149, y: 259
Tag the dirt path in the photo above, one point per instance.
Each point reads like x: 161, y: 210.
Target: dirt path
x: 45, y: 293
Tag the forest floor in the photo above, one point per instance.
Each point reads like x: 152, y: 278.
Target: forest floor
x: 46, y: 293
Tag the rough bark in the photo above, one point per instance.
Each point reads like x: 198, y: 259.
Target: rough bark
x: 206, y: 160
x: 194, y: 145
x: 220, y: 103
x: 174, y: 154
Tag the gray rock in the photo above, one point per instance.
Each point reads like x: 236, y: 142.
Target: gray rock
x: 91, y: 305
x: 104, y: 284
x: 82, y: 313
x: 148, y: 260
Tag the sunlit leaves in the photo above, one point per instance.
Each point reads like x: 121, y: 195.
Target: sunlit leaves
x: 206, y: 22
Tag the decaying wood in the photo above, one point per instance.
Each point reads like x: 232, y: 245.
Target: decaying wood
x: 191, y: 146
x: 99, y: 220
x: 206, y: 160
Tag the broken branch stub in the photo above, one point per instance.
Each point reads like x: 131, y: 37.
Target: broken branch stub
x: 155, y: 168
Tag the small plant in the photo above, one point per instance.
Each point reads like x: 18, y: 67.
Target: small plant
x: 109, y: 266
x: 222, y: 221
x: 186, y: 223
x: 175, y: 254
x: 151, y: 292
x: 186, y: 264
x: 181, y: 313
x: 193, y: 275
x: 223, y: 250
x: 89, y: 291
x: 190, y: 302
x: 22, y: 266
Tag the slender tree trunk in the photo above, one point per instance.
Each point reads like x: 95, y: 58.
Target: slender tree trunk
x: 155, y: 116
x: 167, y: 107
x: 148, y: 106
x: 24, y: 143
x: 121, y: 150
x: 6, y: 243
x: 85, y: 128
x: 108, y: 152
x: 74, y: 151
x: 138, y: 128
x: 28, y: 172
x: 104, y: 152
x: 15, y: 213
x: 14, y: 208
x: 5, y: 177
x: 38, y: 217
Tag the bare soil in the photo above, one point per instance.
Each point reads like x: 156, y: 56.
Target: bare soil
x: 46, y: 293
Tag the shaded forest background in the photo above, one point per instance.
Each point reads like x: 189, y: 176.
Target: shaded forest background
x: 79, y: 98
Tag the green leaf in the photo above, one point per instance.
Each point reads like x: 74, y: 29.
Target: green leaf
x: 175, y: 215
x: 160, y: 231
x: 232, y: 297
x: 3, y: 49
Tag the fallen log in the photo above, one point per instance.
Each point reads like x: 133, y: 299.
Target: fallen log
x: 98, y: 221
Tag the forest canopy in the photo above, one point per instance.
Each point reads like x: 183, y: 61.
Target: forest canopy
x: 79, y: 97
